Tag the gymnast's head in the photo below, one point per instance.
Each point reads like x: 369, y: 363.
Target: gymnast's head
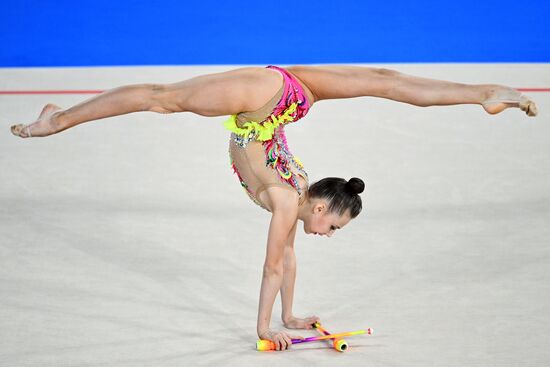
x: 331, y: 203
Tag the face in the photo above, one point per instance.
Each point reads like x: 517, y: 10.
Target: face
x: 322, y: 222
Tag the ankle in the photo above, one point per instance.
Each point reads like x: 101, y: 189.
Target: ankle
x: 57, y: 121
x: 487, y: 92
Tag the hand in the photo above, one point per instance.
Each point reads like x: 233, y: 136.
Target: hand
x: 281, y: 339
x: 297, y: 323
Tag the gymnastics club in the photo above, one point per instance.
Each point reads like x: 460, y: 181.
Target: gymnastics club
x: 339, y: 344
x: 263, y: 345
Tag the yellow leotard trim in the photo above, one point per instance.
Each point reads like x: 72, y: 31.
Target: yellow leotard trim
x: 264, y: 130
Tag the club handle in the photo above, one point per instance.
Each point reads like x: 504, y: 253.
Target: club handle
x: 263, y: 345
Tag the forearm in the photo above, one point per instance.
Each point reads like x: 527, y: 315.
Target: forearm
x: 271, y: 283
x: 114, y: 102
x: 289, y: 280
x: 283, y: 223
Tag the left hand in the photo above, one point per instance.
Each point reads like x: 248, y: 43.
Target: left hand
x: 297, y: 323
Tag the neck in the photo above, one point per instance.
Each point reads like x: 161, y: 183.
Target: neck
x: 303, y: 209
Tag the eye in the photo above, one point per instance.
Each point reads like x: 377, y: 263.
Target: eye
x: 332, y: 228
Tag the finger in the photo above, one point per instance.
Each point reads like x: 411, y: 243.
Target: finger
x: 279, y: 343
x: 288, y: 339
x: 288, y: 342
x: 282, y: 343
x: 297, y: 337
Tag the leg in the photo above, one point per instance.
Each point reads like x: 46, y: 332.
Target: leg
x: 218, y: 94
x: 330, y: 82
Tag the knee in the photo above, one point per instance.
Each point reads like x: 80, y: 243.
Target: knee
x: 161, y: 99
x: 386, y: 72
x: 160, y: 109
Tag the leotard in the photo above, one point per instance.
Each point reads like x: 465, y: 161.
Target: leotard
x: 258, y: 148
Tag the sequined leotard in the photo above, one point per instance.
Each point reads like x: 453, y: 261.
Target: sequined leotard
x: 258, y: 148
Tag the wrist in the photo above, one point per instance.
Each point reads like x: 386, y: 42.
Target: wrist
x: 261, y: 332
x: 287, y: 317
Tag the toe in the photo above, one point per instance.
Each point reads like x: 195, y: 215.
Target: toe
x: 528, y: 106
x: 532, y: 109
x: 18, y: 130
x: 15, y: 129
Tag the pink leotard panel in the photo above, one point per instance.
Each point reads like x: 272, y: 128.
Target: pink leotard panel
x: 293, y: 93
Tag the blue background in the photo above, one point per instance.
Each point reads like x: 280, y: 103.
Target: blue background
x: 86, y: 33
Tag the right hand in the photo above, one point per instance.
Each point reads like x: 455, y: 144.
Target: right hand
x: 281, y: 339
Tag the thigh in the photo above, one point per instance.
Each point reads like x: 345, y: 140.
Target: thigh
x: 339, y: 81
x: 226, y: 93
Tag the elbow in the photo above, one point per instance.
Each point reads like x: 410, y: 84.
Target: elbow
x: 273, y: 269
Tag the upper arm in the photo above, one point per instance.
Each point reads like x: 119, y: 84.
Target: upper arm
x: 281, y: 232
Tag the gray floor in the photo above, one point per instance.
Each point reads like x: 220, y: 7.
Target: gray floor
x: 128, y: 241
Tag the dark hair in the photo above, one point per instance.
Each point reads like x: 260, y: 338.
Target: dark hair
x: 340, y: 194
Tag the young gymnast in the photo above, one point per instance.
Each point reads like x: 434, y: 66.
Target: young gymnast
x: 261, y: 101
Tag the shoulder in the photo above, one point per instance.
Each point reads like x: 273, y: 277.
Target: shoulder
x: 283, y: 198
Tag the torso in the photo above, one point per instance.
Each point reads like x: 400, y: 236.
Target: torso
x: 262, y: 164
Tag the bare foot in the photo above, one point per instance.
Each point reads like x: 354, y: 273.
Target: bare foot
x: 500, y: 98
x: 44, y: 126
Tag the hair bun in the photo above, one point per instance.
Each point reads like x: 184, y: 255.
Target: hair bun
x: 355, y: 186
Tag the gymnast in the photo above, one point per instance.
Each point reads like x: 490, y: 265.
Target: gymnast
x: 260, y: 102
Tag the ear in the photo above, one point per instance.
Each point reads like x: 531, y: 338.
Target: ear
x: 319, y: 208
